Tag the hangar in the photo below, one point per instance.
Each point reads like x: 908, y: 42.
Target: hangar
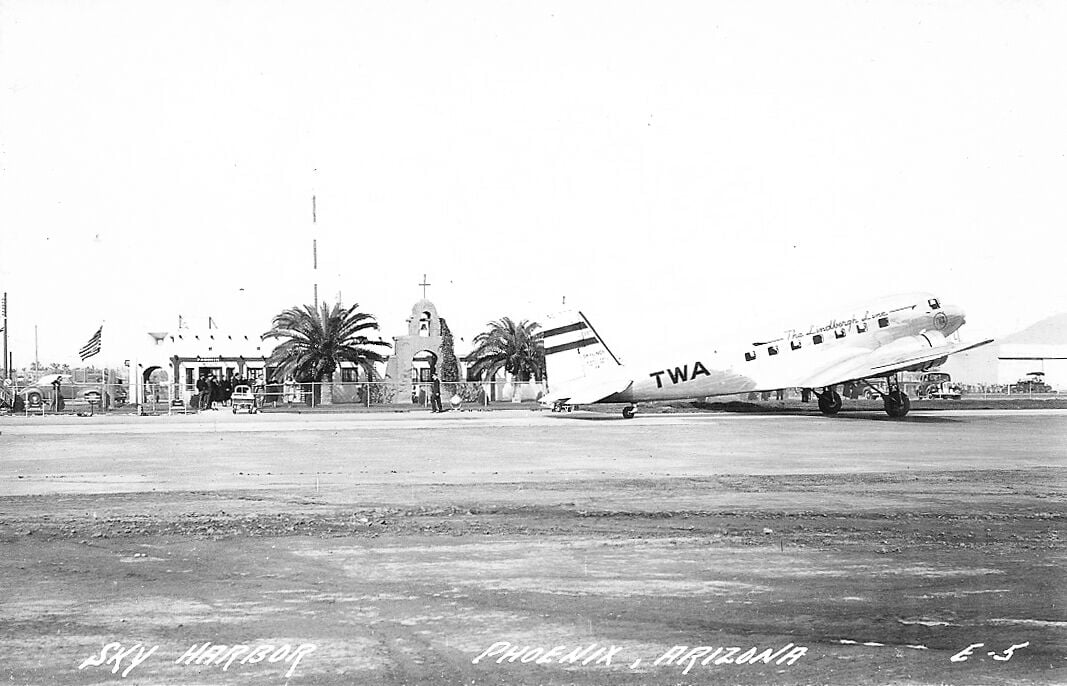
x: 1041, y: 347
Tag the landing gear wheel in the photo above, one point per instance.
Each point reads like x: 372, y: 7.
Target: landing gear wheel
x: 628, y: 411
x: 897, y: 404
x: 829, y: 403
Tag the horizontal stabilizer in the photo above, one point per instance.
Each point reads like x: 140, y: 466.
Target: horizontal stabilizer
x: 588, y: 391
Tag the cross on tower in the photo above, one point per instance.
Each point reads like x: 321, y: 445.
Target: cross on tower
x: 424, y: 284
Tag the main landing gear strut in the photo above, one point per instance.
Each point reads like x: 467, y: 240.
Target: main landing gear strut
x: 829, y: 401
x: 896, y: 401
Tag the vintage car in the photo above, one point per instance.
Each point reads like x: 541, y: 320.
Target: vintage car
x: 40, y: 392
x: 1034, y: 382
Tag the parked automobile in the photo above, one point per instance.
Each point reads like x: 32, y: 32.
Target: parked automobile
x: 40, y: 392
x: 938, y: 386
x: 1034, y: 382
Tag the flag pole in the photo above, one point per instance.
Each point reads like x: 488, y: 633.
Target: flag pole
x: 103, y: 375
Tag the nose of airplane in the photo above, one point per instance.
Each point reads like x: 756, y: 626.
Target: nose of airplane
x: 956, y: 317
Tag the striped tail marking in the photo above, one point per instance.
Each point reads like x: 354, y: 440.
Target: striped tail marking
x: 572, y: 331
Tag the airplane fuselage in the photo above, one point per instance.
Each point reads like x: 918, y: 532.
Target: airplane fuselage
x: 791, y: 357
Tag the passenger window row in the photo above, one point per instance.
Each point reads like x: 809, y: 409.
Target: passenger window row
x: 817, y: 339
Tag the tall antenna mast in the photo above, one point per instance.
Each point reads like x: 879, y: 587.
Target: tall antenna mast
x: 314, y: 254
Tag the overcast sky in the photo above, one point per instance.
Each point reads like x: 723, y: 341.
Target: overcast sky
x: 677, y: 169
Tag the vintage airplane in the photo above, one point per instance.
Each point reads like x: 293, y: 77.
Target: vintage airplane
x: 878, y: 340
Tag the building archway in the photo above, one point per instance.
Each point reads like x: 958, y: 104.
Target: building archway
x: 148, y: 389
x: 423, y: 367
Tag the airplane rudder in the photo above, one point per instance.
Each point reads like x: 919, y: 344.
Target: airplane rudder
x: 572, y: 345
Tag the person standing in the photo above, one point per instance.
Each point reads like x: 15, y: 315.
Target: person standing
x: 435, y: 394
x: 225, y: 391
x: 57, y: 387
x: 213, y: 392
x: 202, y: 398
x: 289, y: 390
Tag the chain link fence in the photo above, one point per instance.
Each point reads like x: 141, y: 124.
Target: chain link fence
x: 95, y: 398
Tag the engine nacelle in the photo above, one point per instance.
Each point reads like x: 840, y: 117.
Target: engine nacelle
x: 937, y: 363
x: 916, y: 346
x: 927, y: 366
x: 934, y: 339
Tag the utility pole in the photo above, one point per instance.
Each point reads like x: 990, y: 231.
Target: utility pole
x: 7, y: 369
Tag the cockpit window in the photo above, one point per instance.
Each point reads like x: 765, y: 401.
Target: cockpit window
x: 935, y: 304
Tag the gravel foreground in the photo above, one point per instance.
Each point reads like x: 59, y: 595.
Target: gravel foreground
x: 648, y: 552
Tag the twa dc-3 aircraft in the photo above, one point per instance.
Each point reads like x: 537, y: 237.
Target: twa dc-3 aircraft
x: 878, y: 340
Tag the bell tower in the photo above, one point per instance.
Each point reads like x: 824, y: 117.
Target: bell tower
x: 417, y: 355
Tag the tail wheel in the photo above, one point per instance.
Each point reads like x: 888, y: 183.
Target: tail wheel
x: 829, y: 403
x: 628, y: 411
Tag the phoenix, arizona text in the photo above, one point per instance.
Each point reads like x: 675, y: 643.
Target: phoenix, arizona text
x: 679, y: 656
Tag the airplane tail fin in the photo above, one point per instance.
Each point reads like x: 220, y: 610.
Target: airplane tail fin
x: 573, y: 349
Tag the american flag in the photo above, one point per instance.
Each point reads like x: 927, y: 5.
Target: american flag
x: 93, y: 346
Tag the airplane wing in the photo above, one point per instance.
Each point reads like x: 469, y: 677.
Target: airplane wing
x: 863, y: 364
x: 586, y: 391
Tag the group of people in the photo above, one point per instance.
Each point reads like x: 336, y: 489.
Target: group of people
x: 215, y: 393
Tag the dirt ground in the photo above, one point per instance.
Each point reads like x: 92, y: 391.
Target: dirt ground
x: 530, y: 548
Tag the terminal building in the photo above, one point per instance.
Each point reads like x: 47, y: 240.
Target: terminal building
x: 168, y: 363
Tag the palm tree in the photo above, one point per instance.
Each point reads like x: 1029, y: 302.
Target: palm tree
x: 511, y: 347
x: 318, y: 340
